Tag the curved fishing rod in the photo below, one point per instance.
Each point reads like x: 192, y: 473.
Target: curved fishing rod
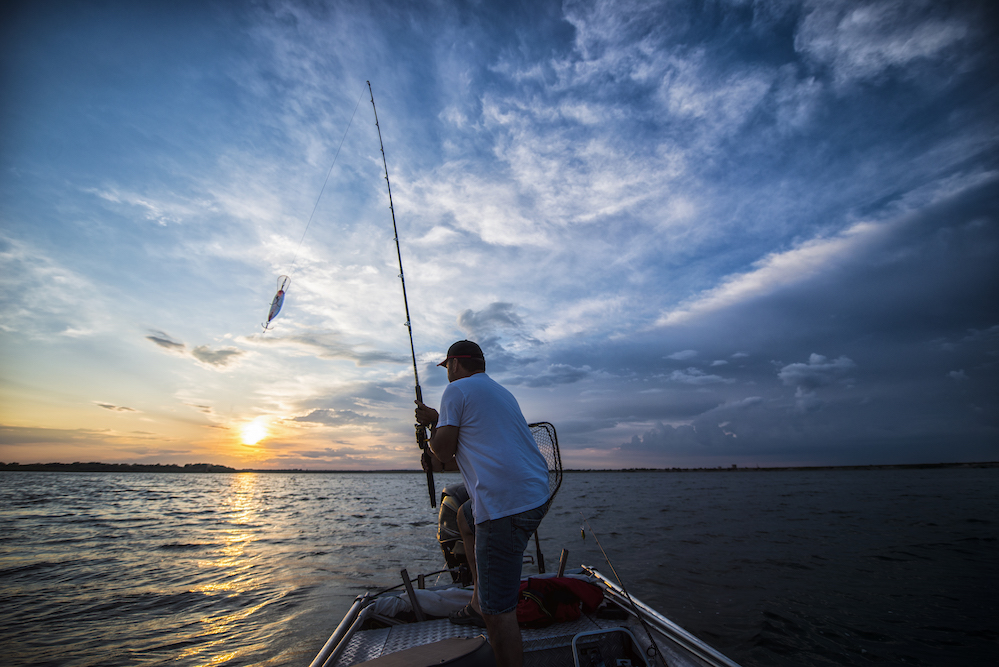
x: 421, y: 431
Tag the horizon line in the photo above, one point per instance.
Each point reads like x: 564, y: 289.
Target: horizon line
x: 211, y: 468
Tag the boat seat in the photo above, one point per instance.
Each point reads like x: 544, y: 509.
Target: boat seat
x: 454, y: 652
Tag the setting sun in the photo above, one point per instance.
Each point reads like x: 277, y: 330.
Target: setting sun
x: 253, y: 433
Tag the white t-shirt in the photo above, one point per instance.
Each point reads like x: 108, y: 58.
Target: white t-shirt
x: 503, y: 471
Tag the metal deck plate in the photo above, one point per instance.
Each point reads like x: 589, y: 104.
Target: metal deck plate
x: 371, y: 644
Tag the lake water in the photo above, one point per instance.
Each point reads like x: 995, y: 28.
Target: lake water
x: 772, y: 568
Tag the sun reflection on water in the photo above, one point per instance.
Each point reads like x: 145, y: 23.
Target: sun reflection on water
x: 229, y: 568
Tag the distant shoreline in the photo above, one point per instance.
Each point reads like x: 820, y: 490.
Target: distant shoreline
x: 202, y: 468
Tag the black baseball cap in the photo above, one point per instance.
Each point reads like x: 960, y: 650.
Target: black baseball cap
x: 463, y: 349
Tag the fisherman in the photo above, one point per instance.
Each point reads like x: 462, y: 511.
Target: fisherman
x: 480, y: 425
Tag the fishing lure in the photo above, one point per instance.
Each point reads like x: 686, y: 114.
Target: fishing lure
x: 284, y: 281
x: 282, y: 287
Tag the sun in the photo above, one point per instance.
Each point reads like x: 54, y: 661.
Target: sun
x: 253, y: 433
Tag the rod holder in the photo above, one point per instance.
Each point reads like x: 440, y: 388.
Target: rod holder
x: 420, y: 617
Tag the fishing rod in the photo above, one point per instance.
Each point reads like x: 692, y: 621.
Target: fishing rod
x: 654, y: 647
x: 421, y: 430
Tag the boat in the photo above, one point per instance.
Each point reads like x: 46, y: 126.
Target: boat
x: 575, y: 618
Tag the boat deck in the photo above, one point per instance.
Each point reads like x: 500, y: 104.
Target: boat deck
x: 544, y: 647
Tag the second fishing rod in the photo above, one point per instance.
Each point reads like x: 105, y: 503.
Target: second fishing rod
x: 421, y: 431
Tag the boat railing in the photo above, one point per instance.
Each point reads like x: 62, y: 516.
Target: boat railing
x: 663, y: 625
x: 334, y: 645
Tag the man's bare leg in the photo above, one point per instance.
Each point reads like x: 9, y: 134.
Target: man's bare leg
x: 468, y: 539
x: 504, y: 637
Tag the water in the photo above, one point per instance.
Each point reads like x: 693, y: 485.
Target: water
x: 772, y: 568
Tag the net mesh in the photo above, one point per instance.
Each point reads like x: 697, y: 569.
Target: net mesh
x: 544, y: 435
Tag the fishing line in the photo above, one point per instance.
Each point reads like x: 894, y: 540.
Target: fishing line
x: 323, y: 189
x: 284, y: 281
x: 620, y: 582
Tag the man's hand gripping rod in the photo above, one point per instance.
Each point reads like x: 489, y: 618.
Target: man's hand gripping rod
x: 424, y: 442
x: 421, y: 431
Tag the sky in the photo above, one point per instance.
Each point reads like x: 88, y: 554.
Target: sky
x: 688, y: 234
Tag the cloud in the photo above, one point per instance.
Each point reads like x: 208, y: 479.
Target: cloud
x: 41, y: 295
x: 863, y: 41
x: 115, y: 408
x: 497, y: 315
x: 348, y: 454
x: 555, y: 374
x: 86, y: 439
x: 331, y: 417
x: 732, y: 174
x: 326, y: 345
x: 219, y: 358
x: 216, y: 359
x: 161, y: 212
x: 807, y: 377
x: 166, y: 342
x: 665, y: 436
x: 817, y: 372
x: 742, y: 403
x: 685, y: 438
x: 697, y: 377
x: 778, y: 271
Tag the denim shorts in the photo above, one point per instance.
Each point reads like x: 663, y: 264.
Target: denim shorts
x: 499, y: 555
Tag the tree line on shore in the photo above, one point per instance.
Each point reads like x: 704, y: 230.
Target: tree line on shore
x: 214, y: 468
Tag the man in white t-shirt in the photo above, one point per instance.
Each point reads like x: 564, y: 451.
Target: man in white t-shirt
x: 480, y: 425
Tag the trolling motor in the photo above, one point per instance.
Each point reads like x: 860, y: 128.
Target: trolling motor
x: 448, y: 535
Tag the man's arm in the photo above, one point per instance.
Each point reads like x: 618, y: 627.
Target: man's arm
x: 443, y: 441
x: 444, y: 444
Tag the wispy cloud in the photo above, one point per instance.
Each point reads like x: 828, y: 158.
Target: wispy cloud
x: 861, y: 41
x: 219, y: 358
x: 114, y: 408
x: 778, y: 271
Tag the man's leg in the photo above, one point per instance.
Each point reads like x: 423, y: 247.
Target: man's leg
x: 504, y: 637
x: 468, y: 539
x: 499, y: 553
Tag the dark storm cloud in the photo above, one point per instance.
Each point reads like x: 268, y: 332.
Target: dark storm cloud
x: 555, y: 374
x: 818, y: 372
x: 495, y: 315
x: 897, y: 342
x: 696, y: 376
x: 502, y: 334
